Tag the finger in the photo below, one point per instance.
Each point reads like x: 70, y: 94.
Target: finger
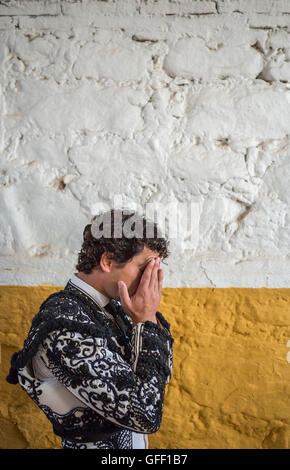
x: 154, y: 276
x: 124, y: 295
x: 160, y: 280
x: 146, y: 276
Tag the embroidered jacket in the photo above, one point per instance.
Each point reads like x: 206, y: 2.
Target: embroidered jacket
x: 108, y: 376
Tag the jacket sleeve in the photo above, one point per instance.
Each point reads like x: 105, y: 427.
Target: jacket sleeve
x: 145, y: 349
x: 127, y: 394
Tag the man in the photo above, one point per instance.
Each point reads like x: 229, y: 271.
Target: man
x: 98, y: 354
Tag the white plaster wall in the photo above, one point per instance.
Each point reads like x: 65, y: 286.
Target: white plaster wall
x: 156, y: 101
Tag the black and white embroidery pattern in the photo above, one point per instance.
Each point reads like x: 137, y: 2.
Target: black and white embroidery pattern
x: 112, y: 373
x: 121, y: 440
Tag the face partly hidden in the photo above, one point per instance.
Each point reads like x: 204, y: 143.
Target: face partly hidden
x: 130, y: 273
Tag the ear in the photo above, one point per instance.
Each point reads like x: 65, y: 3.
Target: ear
x: 106, y: 261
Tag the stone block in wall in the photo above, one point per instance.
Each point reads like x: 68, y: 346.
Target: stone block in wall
x: 268, y: 7
x: 46, y: 106
x: 193, y: 58
x: 27, y: 8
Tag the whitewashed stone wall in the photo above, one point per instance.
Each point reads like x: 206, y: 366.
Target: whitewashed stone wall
x: 157, y: 101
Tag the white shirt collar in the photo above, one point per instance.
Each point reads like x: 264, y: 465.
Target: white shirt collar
x: 97, y: 296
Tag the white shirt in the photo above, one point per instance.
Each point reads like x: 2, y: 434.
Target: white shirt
x: 100, y: 298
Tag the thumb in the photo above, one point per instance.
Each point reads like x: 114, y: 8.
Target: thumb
x: 124, y: 295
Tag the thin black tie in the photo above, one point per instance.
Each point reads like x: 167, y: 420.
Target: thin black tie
x: 111, y: 309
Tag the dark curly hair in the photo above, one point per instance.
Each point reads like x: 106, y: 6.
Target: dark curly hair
x: 123, y: 248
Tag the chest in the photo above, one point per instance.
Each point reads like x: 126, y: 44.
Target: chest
x: 120, y: 332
